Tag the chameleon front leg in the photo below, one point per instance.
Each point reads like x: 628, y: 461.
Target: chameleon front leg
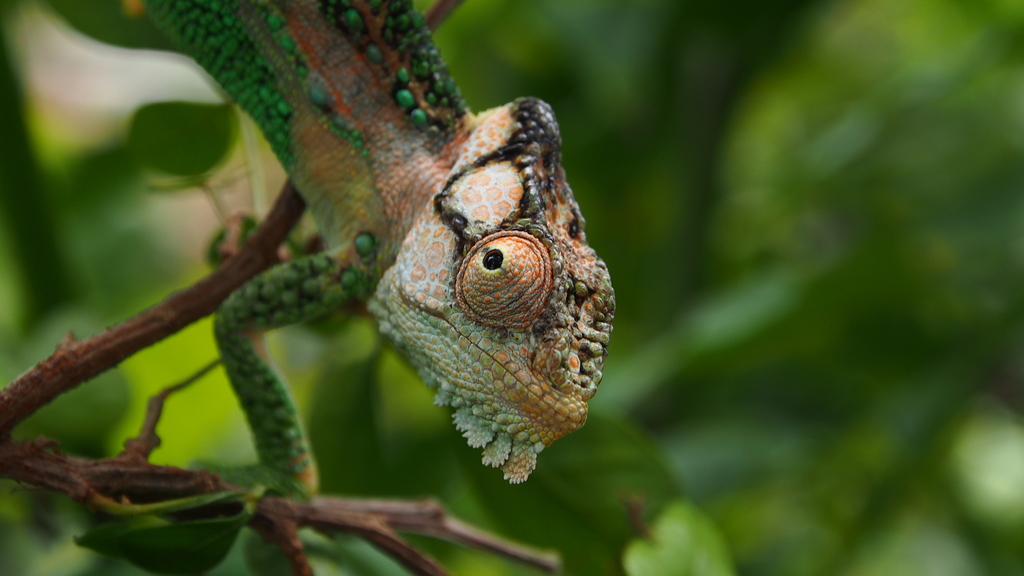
x: 288, y: 293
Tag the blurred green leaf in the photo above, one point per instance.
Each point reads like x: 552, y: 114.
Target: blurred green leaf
x: 580, y: 497
x: 182, y: 138
x: 106, y: 538
x: 731, y: 316
x: 343, y: 428
x: 29, y: 219
x: 106, y: 21
x: 187, y: 547
x: 683, y: 542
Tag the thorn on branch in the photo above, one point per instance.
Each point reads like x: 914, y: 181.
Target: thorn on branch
x: 66, y: 342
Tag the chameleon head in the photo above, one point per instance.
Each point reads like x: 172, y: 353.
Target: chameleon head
x: 496, y: 298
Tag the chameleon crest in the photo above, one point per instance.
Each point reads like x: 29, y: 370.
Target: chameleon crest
x: 495, y: 296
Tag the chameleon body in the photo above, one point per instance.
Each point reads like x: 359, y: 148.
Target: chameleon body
x: 458, y: 229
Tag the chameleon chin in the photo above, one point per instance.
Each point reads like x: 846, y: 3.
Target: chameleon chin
x: 458, y: 229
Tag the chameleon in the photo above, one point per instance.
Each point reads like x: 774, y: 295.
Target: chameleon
x: 457, y: 230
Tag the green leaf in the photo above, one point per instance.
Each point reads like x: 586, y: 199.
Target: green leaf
x: 159, y: 546
x: 683, y: 542
x: 184, y: 547
x: 577, y: 500
x: 106, y: 21
x: 106, y: 538
x: 182, y: 138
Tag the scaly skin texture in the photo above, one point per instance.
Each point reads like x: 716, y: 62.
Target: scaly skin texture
x: 496, y: 297
x: 458, y: 229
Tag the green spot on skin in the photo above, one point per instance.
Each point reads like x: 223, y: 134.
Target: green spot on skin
x: 348, y: 279
x: 418, y: 21
x: 374, y: 54
x: 321, y: 263
x: 431, y: 98
x: 375, y: 4
x: 287, y: 42
x: 275, y: 22
x: 405, y: 99
x: 365, y: 243
x: 320, y: 96
x: 353, y: 20
x: 340, y: 124
x: 269, y: 291
x: 403, y: 75
x: 418, y: 117
x: 402, y: 22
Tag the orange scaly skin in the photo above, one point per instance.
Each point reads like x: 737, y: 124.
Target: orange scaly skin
x: 459, y: 229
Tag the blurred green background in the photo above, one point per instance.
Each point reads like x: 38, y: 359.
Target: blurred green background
x: 813, y: 213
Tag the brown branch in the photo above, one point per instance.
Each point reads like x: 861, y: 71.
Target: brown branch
x: 427, y: 517
x: 373, y: 528
x: 128, y: 479
x: 284, y: 533
x: 77, y: 361
x: 37, y: 463
x: 440, y: 10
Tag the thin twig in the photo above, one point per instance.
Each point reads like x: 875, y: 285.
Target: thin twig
x: 79, y: 361
x: 284, y: 533
x: 143, y: 445
x: 440, y: 10
x: 373, y: 528
x: 427, y: 517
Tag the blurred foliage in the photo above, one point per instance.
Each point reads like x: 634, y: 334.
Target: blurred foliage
x: 163, y: 136
x: 813, y: 212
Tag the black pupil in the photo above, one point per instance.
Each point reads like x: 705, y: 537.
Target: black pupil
x: 493, y: 259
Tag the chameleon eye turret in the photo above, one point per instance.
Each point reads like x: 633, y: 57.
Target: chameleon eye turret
x: 505, y: 281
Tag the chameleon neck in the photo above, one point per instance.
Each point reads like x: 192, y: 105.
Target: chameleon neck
x: 351, y: 95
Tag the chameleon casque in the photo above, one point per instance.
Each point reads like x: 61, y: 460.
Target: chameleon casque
x: 458, y: 230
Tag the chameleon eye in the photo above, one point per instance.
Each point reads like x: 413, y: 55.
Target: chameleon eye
x: 505, y: 280
x: 493, y: 259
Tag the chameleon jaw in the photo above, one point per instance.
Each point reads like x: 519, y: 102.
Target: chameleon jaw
x: 525, y: 411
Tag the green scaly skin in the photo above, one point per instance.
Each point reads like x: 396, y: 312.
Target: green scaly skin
x: 459, y: 231
x: 289, y: 293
